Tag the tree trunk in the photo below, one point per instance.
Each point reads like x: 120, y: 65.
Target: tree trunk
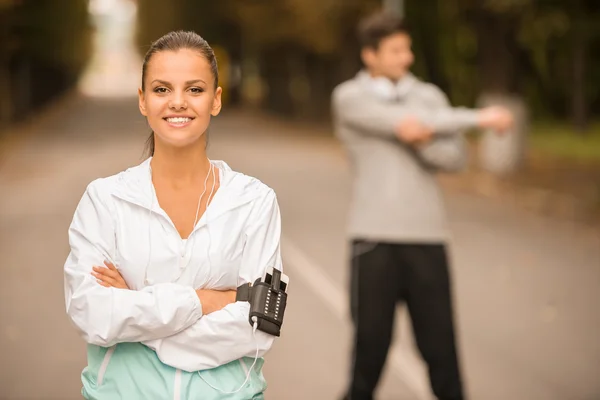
x: 497, y: 46
x: 5, y: 81
x: 298, y: 86
x: 23, y: 101
x: 276, y: 74
x: 320, y: 73
x: 5, y: 95
x: 425, y: 22
x: 579, y: 114
x: 349, y: 52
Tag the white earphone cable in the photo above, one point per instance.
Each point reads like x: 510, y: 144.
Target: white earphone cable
x: 254, y: 327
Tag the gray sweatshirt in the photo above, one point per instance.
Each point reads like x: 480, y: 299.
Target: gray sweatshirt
x: 395, y: 194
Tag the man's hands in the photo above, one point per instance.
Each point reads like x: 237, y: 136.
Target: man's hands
x: 211, y: 300
x: 496, y: 118
x: 412, y: 131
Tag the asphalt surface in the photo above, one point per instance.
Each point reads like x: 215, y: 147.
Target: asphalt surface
x: 526, y: 287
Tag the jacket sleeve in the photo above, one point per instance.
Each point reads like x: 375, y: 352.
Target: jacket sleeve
x: 447, y: 150
x: 445, y: 153
x: 226, y: 335
x: 106, y: 316
x: 370, y: 116
x: 351, y: 108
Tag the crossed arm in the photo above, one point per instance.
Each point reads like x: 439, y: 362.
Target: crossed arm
x: 211, y: 300
x: 189, y: 329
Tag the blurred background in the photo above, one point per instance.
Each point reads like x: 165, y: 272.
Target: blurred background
x: 525, y: 216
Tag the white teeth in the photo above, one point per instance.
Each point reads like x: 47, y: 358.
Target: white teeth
x: 178, y: 120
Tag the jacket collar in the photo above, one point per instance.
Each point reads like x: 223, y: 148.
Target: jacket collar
x: 386, y: 89
x: 134, y: 185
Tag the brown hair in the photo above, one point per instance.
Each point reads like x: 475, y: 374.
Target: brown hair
x: 174, y: 41
x: 376, y: 27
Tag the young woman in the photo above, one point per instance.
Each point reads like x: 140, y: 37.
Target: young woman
x: 158, y: 250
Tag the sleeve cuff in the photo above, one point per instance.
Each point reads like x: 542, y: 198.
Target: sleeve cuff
x: 469, y: 118
x: 196, y: 304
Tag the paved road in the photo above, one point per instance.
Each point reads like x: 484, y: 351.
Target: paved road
x: 526, y: 288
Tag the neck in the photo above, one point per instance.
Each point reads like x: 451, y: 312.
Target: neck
x: 180, y: 165
x: 376, y: 74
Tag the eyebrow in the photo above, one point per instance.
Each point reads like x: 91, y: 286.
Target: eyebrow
x: 187, y: 82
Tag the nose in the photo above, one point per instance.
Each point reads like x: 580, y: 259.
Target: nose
x: 178, y: 102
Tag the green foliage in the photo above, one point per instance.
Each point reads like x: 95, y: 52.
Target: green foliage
x: 5, y: 4
x: 445, y: 35
x: 314, y: 25
x: 54, y: 32
x: 558, y: 139
x: 156, y: 18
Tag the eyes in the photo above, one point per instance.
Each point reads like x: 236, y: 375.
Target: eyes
x: 164, y: 90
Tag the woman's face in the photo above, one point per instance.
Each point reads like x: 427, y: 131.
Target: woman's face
x: 179, y: 97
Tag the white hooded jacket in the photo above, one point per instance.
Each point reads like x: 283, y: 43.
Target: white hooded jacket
x: 234, y: 242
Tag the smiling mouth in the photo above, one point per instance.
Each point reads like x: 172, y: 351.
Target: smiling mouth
x: 178, y: 120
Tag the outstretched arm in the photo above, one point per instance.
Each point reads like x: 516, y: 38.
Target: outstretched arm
x: 446, y: 150
x: 442, y: 150
x: 370, y: 116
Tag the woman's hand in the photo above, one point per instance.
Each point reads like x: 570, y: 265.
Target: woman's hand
x: 215, y: 300
x: 109, y: 276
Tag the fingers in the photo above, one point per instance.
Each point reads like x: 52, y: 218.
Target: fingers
x: 497, y: 118
x: 102, y: 283
x: 104, y: 276
x: 113, y: 274
x: 110, y: 266
x: 109, y: 276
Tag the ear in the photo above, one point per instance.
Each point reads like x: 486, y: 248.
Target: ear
x: 141, y: 102
x: 216, y: 106
x: 368, y: 56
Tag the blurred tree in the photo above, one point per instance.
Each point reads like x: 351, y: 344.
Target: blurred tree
x: 6, y: 49
x: 424, y: 21
x: 294, y: 45
x: 156, y: 18
x: 45, y: 44
x: 55, y: 33
x: 286, y: 39
x: 540, y: 50
x: 303, y: 48
x: 536, y: 48
x: 585, y: 28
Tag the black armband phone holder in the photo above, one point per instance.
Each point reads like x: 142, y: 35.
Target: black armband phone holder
x: 267, y: 299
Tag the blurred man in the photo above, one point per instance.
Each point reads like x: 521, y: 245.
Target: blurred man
x: 398, y: 132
